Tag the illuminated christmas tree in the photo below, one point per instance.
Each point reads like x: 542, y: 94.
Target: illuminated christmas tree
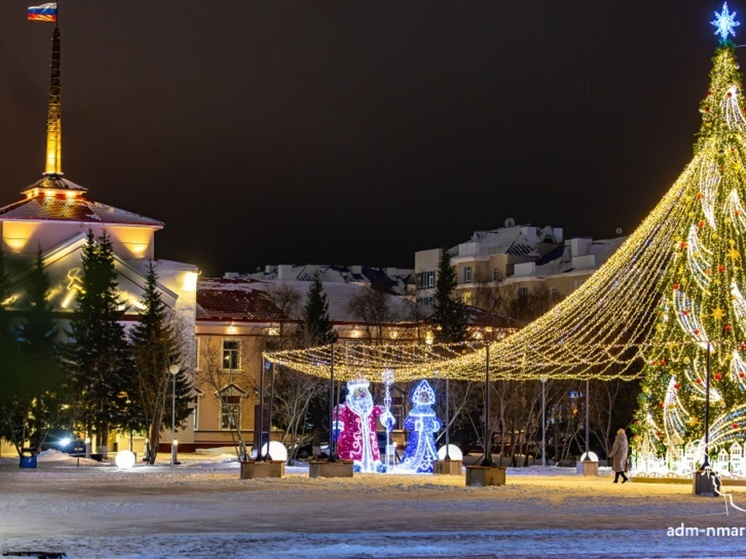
x: 701, y: 319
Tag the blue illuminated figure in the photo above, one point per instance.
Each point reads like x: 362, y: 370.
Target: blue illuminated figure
x: 422, y: 425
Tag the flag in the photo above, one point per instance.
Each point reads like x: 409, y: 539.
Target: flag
x: 45, y: 12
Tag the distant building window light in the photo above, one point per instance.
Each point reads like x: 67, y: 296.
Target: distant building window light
x: 426, y: 280
x: 230, y: 412
x: 231, y: 350
x: 195, y: 412
x: 523, y: 294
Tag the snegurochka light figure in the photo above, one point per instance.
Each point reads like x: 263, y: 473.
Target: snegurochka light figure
x: 355, y: 428
x: 422, y: 424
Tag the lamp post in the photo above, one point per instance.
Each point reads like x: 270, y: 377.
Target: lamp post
x: 487, y: 460
x: 587, y: 417
x: 706, y: 461
x: 174, y: 370
x: 543, y: 421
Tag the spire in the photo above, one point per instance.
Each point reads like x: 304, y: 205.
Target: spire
x: 53, y: 167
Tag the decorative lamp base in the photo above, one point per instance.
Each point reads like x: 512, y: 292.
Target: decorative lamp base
x: 323, y: 468
x: 256, y: 470
x: 588, y: 468
x: 482, y: 476
x: 448, y: 467
x: 705, y: 483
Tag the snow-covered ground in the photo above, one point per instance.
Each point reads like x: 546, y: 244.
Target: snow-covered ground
x: 202, y: 509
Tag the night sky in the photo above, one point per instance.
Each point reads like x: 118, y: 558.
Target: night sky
x: 349, y: 132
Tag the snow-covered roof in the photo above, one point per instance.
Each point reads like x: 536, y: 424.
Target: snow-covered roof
x: 250, y: 300
x: 560, y: 261
x: 389, y: 280
x: 517, y: 240
x: 57, y: 199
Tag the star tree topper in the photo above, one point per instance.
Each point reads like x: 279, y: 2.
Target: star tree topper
x: 725, y: 23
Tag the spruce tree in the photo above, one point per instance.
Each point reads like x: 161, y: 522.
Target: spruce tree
x: 449, y: 313
x: 98, y: 355
x: 37, y: 339
x: 155, y: 347
x: 316, y: 327
x: 700, y: 334
x: 13, y: 411
x: 37, y: 333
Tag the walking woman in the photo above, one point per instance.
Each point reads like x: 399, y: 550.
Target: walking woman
x: 618, y: 454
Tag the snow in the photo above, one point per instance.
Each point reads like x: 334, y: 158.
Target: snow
x: 202, y: 509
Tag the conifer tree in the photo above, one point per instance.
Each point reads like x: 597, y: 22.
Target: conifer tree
x: 5, y: 329
x: 37, y: 338
x: 155, y: 347
x: 37, y: 333
x: 316, y: 327
x: 700, y: 333
x: 12, y: 414
x: 98, y: 355
x: 449, y: 313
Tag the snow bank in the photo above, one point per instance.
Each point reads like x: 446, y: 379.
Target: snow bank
x: 203, y: 509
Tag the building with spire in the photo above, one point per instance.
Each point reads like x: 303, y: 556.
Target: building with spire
x: 53, y: 218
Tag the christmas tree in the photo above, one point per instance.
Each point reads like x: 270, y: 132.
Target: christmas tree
x: 699, y: 340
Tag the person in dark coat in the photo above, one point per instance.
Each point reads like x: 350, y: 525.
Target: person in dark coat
x: 618, y: 454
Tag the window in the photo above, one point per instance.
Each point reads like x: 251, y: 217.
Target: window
x: 231, y: 354
x: 426, y: 301
x: 196, y: 352
x: 522, y: 295
x: 466, y: 274
x: 426, y: 280
x: 495, y: 274
x: 195, y: 412
x: 466, y: 298
x: 230, y: 412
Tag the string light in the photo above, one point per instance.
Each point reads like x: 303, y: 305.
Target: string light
x: 670, y: 298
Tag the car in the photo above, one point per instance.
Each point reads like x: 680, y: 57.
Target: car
x: 65, y: 441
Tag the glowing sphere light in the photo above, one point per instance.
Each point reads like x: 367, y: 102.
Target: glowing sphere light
x: 125, y: 459
x: 277, y: 451
x: 454, y: 452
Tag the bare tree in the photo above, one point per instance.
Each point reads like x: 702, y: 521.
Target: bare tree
x: 212, y: 374
x: 371, y: 306
x: 611, y: 406
x: 418, y: 314
x: 286, y: 301
x: 490, y: 294
x: 293, y: 392
x: 464, y: 405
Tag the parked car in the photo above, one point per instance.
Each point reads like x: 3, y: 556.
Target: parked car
x: 65, y: 441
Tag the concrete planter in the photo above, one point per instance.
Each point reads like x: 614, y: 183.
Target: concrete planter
x: 447, y: 467
x: 588, y: 468
x: 324, y: 468
x: 704, y: 483
x: 256, y: 470
x: 482, y: 476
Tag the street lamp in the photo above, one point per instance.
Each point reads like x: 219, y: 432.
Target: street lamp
x: 174, y: 370
x: 543, y: 421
